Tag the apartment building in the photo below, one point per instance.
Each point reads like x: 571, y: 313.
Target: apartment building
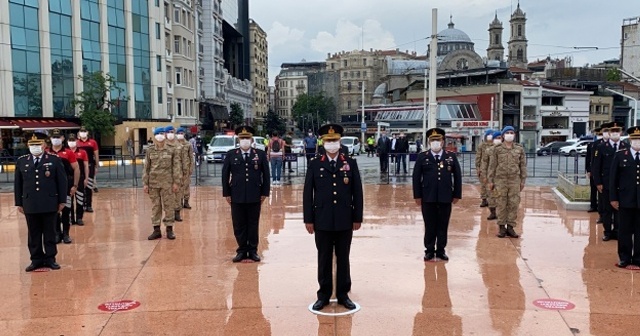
x: 259, y: 70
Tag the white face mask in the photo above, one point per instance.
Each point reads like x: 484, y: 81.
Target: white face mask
x: 332, y: 147
x: 497, y: 141
x: 509, y: 137
x: 35, y: 150
x: 605, y: 135
x: 180, y: 136
x: 159, y: 137
x: 56, y: 141
x: 615, y: 136
x: 82, y: 135
x: 171, y: 136
x: 310, y: 134
x: 489, y: 137
x: 436, y: 146
x: 245, y: 143
x: 635, y: 144
x: 72, y: 144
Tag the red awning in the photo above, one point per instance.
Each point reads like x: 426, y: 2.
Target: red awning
x: 7, y: 125
x: 45, y: 124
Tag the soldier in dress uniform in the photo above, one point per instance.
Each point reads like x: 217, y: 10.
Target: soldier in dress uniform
x: 587, y: 167
x: 160, y: 178
x: 486, y: 156
x: 40, y: 190
x: 507, y: 174
x: 625, y: 198
x: 480, y: 154
x: 603, y: 138
x: 188, y: 161
x: 601, y: 172
x: 183, y: 162
x: 333, y: 209
x: 245, y: 185
x: 437, y: 183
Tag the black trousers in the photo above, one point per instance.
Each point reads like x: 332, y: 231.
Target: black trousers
x: 436, y: 226
x: 88, y: 194
x: 245, y: 218
x: 64, y: 217
x: 401, y: 158
x: 42, y: 232
x: 629, y: 235
x: 609, y: 214
x: 326, y: 242
x: 384, y: 162
x: 77, y: 204
x: 311, y: 152
x: 594, y: 194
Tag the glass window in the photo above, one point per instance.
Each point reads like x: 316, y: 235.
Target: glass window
x: 159, y: 63
x: 159, y: 95
x: 19, y: 58
x: 158, y: 30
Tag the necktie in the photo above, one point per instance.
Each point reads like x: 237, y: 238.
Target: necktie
x: 438, y: 158
x: 37, y: 161
x: 637, y: 157
x: 246, y: 156
x: 333, y: 165
x: 615, y: 147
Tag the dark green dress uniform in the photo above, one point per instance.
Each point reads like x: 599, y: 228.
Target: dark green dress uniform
x: 437, y: 180
x: 625, y: 189
x: 333, y: 202
x: 40, y: 186
x: 245, y: 178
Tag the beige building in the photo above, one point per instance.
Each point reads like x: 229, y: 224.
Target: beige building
x: 630, y: 52
x: 600, y: 108
x: 259, y: 70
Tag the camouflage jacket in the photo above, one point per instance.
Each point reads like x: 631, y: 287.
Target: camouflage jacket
x: 188, y: 157
x: 486, y: 155
x: 183, y: 156
x: 161, y: 167
x: 507, y: 164
x: 480, y: 153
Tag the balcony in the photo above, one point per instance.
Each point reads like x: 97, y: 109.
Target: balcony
x: 169, y: 55
x: 201, y: 72
x: 167, y: 23
x: 300, y: 87
x: 169, y: 88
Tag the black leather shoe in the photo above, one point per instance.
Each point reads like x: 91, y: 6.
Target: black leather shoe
x: 254, y: 256
x: 606, y: 238
x: 319, y: 305
x: 53, y: 265
x: 442, y: 256
x: 511, y: 232
x: 484, y: 203
x: 89, y: 209
x: 80, y: 222
x: 186, y: 205
x: 58, y: 238
x: 347, y: 303
x: 66, y: 239
x: 177, y: 216
x: 239, y: 257
x: 429, y: 256
x: 32, y: 267
x: 592, y: 210
x: 623, y: 264
x: 170, y: 234
x: 599, y: 221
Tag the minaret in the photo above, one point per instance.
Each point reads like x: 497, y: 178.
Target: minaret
x: 518, y: 40
x: 495, y: 51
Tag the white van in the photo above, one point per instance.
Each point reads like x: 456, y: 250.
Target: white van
x: 219, y: 146
x: 353, y: 143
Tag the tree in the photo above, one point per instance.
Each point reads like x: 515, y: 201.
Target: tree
x: 236, y: 116
x: 273, y: 122
x: 310, y: 111
x: 614, y: 75
x: 99, y: 96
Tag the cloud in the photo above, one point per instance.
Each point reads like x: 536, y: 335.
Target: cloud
x: 349, y: 36
x: 280, y: 34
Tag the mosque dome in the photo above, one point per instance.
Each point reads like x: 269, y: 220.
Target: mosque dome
x: 451, y: 34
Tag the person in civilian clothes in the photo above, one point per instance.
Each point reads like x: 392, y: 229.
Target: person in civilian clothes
x: 40, y: 192
x: 245, y: 185
x: 587, y: 167
x: 91, y: 147
x: 384, y: 147
x: 77, y: 211
x: 625, y: 198
x: 437, y: 183
x: 332, y: 209
x: 402, y: 148
x: 601, y: 169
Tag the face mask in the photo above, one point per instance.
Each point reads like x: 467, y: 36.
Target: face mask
x: 72, y: 144
x: 332, y: 147
x: 605, y: 135
x: 497, y: 141
x: 489, y: 137
x: 509, y: 137
x: 635, y: 144
x: 56, y: 142
x: 82, y: 135
x: 180, y: 136
x: 35, y: 150
x: 310, y: 134
x: 436, y: 146
x: 245, y: 143
x: 159, y: 137
x: 615, y: 136
x: 170, y: 136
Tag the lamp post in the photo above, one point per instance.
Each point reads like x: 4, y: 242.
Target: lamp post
x: 363, y: 123
x: 433, y: 76
x: 635, y: 101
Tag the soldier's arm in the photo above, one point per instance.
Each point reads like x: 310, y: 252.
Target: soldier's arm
x: 485, y: 163
x: 358, y: 198
x: 614, y: 182
x: 61, y: 180
x: 176, y: 167
x: 147, y: 169
x: 587, y: 159
x: 308, y: 195
x: 18, y: 184
x: 457, y: 178
x: 596, y: 167
x: 226, y: 175
x: 417, y: 177
x: 523, y: 166
x: 265, y: 175
x: 493, y: 164
x: 479, y: 154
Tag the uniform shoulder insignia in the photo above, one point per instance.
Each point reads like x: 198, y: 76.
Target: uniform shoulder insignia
x: 23, y: 156
x: 622, y: 150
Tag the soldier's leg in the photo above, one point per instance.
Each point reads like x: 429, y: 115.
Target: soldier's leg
x: 177, y: 204
x: 168, y: 201
x: 430, y: 226
x: 492, y: 203
x: 513, y: 203
x: 593, y: 197
x: 253, y: 221
x: 502, y: 195
x: 239, y: 216
x: 34, y: 240
x: 156, y: 213
x: 625, y: 235
x: 600, y: 207
x: 636, y: 236
x: 444, y: 215
x: 80, y: 195
x: 48, y: 221
x: 324, y: 245
x: 607, y: 215
x: 343, y: 268
x: 615, y: 222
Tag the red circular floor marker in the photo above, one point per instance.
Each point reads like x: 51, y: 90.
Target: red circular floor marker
x: 122, y: 305
x: 553, y: 304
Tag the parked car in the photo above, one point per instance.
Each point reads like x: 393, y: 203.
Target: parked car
x: 297, y: 147
x: 219, y: 146
x: 353, y: 143
x: 258, y: 142
x: 413, y: 147
x: 552, y: 148
x: 572, y: 150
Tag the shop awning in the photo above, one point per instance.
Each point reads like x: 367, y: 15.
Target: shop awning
x: 37, y: 124
x: 7, y: 125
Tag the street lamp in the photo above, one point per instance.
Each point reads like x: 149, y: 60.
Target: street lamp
x: 635, y: 101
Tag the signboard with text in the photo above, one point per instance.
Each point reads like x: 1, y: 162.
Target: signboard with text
x: 473, y: 124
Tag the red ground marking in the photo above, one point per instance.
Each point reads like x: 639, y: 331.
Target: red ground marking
x: 553, y: 304
x: 122, y: 305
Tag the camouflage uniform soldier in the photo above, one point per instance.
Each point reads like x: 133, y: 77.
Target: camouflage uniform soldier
x: 160, y: 179
x: 484, y: 168
x: 507, y: 174
x: 181, y: 153
x: 480, y: 154
x: 188, y: 161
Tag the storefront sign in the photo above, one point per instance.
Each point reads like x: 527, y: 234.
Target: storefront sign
x: 472, y: 124
x: 530, y: 125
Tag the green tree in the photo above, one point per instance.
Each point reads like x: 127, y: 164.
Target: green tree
x: 273, y: 122
x: 311, y: 111
x: 614, y: 75
x: 99, y: 96
x: 236, y: 116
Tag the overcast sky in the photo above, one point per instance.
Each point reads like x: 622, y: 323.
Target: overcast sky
x: 309, y: 29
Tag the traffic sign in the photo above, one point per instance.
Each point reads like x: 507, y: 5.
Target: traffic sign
x: 363, y: 127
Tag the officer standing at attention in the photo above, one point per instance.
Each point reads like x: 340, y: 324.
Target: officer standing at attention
x: 601, y: 171
x: 507, y: 174
x: 183, y: 162
x: 625, y: 198
x: 333, y: 208
x: 437, y: 182
x: 83, y: 163
x: 40, y: 190
x: 245, y: 185
x: 91, y: 147
x: 480, y: 154
x: 188, y: 161
x: 604, y: 138
x: 587, y: 167
x: 160, y: 178
x: 484, y: 166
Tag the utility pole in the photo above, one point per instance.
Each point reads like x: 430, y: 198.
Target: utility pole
x: 433, y: 72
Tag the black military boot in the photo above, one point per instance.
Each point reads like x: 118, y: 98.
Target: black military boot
x: 484, y: 203
x: 186, y: 204
x: 511, y: 232
x: 170, y: 234
x: 492, y: 215
x: 177, y: 216
x: 157, y: 234
x: 503, y: 232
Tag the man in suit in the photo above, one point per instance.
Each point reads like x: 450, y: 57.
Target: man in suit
x: 245, y: 185
x: 402, y: 148
x: 40, y: 190
x: 604, y: 137
x: 384, y: 147
x: 333, y: 208
x: 437, y: 183
x: 587, y: 166
x: 625, y: 198
x: 601, y: 172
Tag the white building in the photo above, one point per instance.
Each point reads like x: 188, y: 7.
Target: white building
x: 564, y: 113
x: 630, y: 60
x: 241, y: 92
x: 212, y: 79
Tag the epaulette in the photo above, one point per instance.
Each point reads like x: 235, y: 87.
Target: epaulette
x: 23, y: 156
x: 621, y: 150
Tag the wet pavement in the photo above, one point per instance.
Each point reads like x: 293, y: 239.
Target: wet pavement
x: 190, y: 287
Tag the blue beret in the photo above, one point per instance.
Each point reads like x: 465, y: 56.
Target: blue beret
x: 158, y: 130
x: 507, y: 129
x: 169, y: 128
x: 180, y: 130
x: 497, y: 134
x: 487, y: 132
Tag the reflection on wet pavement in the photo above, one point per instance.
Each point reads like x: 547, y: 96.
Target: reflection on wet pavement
x: 190, y: 287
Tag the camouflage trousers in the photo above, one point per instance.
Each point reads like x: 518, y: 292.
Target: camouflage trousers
x: 186, y: 191
x: 162, y: 199
x: 491, y: 198
x: 484, y: 190
x: 507, y: 198
x: 177, y: 199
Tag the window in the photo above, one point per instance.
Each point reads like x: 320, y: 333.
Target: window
x: 358, y: 74
x: 349, y: 86
x: 333, y: 66
x: 344, y: 74
x: 176, y: 14
x: 520, y: 55
x: 158, y: 63
x: 178, y: 76
x: 179, y: 106
x: 605, y: 109
x: 348, y: 104
x: 176, y: 44
x: 496, y: 39
x: 189, y: 48
x: 364, y: 61
x: 157, y: 3
x: 519, y: 30
x: 159, y: 95
x: 364, y: 74
x: 345, y: 63
x: 157, y: 31
x: 359, y: 85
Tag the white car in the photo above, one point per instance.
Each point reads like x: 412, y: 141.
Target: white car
x: 413, y: 147
x: 219, y: 146
x: 297, y: 147
x: 258, y: 142
x: 582, y: 150
x: 572, y: 150
x: 352, y: 143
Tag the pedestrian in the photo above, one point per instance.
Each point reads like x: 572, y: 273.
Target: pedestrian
x: 601, y: 171
x: 276, y: 157
x: 402, y: 149
x: 160, y: 178
x: 507, y: 174
x: 496, y: 139
x: 245, y: 185
x: 384, y: 147
x: 199, y: 149
x: 72, y: 169
x: 419, y: 145
x: 588, y: 159
x: 371, y: 143
x: 332, y: 209
x: 77, y: 203
x: 310, y: 145
x: 288, y: 144
x: 393, y: 151
x: 40, y: 190
x: 183, y: 162
x: 91, y: 147
x: 487, y: 141
x: 437, y: 184
x: 188, y: 160
x: 625, y: 198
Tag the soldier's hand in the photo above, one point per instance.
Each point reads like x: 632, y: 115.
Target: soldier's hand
x: 61, y: 206
x: 600, y: 188
x: 175, y: 188
x: 356, y: 226
x: 521, y: 186
x: 309, y: 227
x: 615, y: 205
x: 455, y: 200
x: 228, y: 198
x: 418, y: 201
x: 145, y: 189
x: 73, y: 191
x: 21, y: 210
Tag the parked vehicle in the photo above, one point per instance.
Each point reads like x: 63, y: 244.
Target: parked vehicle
x: 297, y: 147
x: 258, y: 142
x: 413, y: 147
x: 552, y: 148
x: 219, y: 146
x: 353, y: 143
x: 572, y: 150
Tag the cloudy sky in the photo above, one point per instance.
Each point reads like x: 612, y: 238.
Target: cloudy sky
x: 309, y: 29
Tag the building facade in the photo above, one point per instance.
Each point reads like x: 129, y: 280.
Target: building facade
x: 495, y: 51
x: 600, y: 109
x: 236, y: 36
x: 630, y: 54
x: 291, y: 82
x: 240, y: 92
x: 212, y: 83
x: 259, y: 70
x: 518, y: 40
x: 565, y: 113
